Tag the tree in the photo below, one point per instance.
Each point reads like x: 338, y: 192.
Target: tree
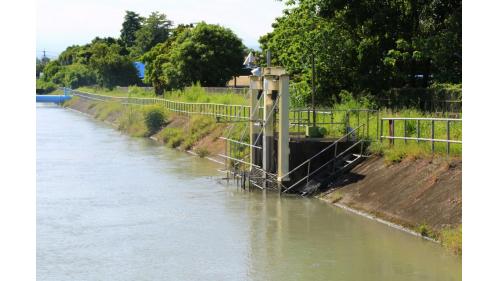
x: 155, y: 29
x: 208, y: 54
x: 301, y: 34
x: 112, y: 68
x: 367, y: 47
x: 131, y: 24
x: 40, y: 65
x: 157, y: 56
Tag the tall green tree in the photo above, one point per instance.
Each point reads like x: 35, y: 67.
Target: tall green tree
x: 155, y: 29
x: 132, y: 22
x: 369, y: 46
x: 112, y: 68
x: 157, y: 56
x: 208, y: 54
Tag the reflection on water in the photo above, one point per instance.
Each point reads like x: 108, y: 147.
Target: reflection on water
x: 111, y: 207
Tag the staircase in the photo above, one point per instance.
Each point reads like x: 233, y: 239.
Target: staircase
x: 320, y: 175
x: 324, y: 178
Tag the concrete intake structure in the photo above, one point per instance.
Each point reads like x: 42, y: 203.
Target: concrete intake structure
x: 274, y: 85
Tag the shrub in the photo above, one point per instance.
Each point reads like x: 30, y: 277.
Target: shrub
x: 423, y: 229
x: 202, y: 152
x: 154, y: 117
x: 44, y: 87
x: 175, y: 141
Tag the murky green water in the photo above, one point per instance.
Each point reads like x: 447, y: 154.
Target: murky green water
x: 111, y: 207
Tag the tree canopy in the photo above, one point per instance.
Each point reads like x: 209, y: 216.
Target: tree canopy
x: 207, y: 53
x: 131, y: 24
x: 103, y: 61
x: 368, y: 46
x: 155, y: 29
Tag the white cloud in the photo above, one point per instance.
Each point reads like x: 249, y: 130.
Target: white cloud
x: 63, y: 23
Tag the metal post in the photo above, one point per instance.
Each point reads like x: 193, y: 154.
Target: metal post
x: 391, y: 131
x: 381, y: 129
x: 378, y: 118
x: 255, y: 85
x: 367, y: 124
x: 448, y: 137
x: 418, y: 131
x: 432, y: 135
x: 404, y: 128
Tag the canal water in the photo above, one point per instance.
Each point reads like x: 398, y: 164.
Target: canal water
x: 112, y: 207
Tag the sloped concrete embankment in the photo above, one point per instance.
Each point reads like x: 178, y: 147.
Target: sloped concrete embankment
x: 413, y: 193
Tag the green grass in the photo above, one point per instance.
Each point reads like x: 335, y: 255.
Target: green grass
x: 105, y: 109
x: 451, y: 238
x: 131, y: 121
x: 194, y: 94
x: 133, y: 91
x: 344, y: 114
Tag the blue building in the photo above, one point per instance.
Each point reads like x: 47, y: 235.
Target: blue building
x: 140, y: 68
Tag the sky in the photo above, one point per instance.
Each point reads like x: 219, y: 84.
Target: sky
x: 61, y: 23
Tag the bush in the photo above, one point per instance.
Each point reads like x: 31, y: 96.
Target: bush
x: 202, y: 152
x: 154, y: 117
x: 44, y: 87
x: 423, y: 229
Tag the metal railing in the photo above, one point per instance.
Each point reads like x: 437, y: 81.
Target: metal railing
x: 337, y: 121
x: 357, y: 136
x: 225, y: 111
x: 416, y: 132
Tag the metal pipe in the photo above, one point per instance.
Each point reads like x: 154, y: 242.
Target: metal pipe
x: 432, y: 135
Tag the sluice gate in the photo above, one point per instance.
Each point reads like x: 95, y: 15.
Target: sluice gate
x: 276, y: 154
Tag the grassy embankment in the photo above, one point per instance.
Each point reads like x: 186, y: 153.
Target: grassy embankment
x: 198, y: 133
x: 392, y: 153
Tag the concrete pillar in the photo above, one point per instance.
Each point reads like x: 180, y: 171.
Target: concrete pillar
x: 270, y: 85
x: 255, y: 88
x: 283, y: 138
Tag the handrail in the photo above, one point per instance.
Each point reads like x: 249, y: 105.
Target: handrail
x: 321, y: 167
x: 323, y: 150
x: 392, y: 128
x: 422, y: 119
x: 161, y: 99
x: 185, y: 107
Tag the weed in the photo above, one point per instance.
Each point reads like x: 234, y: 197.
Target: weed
x: 105, y: 109
x: 423, y: 229
x: 202, y: 152
x: 335, y: 197
x: 451, y: 238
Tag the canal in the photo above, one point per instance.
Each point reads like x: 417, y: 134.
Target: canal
x: 112, y: 207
